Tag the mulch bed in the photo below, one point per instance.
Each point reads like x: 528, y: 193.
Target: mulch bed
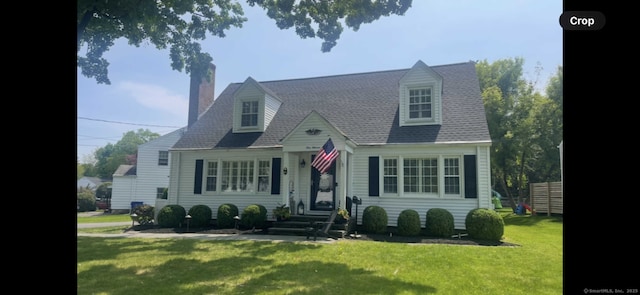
x: 393, y: 238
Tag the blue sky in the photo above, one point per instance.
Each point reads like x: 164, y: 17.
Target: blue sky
x: 146, y: 93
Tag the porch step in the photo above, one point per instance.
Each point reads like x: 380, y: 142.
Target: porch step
x: 298, y: 225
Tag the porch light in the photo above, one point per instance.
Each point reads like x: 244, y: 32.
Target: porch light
x: 285, y: 171
x: 302, y: 163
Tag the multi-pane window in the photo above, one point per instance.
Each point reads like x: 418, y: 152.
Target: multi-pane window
x: 390, y: 175
x: 237, y: 176
x: 264, y: 171
x: 163, y: 158
x: 160, y: 193
x: 419, y: 175
x: 212, y: 176
x: 249, y: 114
x: 452, y: 176
x: 420, y: 103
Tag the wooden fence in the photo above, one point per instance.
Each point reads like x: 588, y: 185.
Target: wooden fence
x: 546, y: 197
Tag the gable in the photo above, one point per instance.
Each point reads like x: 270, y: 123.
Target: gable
x: 312, y: 133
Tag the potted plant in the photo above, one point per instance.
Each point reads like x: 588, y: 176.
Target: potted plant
x: 343, y: 216
x: 282, y: 212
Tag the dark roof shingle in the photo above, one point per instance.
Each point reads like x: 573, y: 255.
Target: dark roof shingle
x: 364, y: 106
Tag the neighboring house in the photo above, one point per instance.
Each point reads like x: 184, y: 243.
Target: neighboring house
x: 144, y: 182
x: 90, y: 182
x: 413, y: 138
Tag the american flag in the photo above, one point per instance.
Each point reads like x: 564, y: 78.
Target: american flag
x: 325, y: 157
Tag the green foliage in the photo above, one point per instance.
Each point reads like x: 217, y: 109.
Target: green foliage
x: 200, y: 216
x: 180, y: 25
x: 253, y: 216
x: 409, y: 223
x: 525, y: 126
x: 282, y: 212
x: 484, y: 224
x: 343, y: 215
x: 86, y: 200
x: 124, y: 152
x: 439, y: 223
x: 226, y: 212
x: 171, y: 216
x: 375, y: 219
x: 145, y: 214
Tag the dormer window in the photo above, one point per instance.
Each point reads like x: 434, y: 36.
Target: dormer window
x: 420, y: 96
x: 249, y: 114
x: 420, y: 104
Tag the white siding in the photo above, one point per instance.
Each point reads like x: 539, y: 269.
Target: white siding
x: 458, y: 206
x: 271, y: 106
x: 122, y: 192
x: 250, y: 91
x: 300, y: 141
x: 150, y: 175
x: 181, y: 190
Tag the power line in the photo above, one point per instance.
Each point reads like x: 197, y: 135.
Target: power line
x: 126, y: 123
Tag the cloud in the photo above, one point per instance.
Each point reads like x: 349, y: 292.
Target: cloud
x: 156, y: 97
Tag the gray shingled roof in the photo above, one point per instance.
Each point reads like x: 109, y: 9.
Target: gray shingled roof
x: 364, y: 106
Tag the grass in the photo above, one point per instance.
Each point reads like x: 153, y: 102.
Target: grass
x: 191, y: 266
x: 104, y: 218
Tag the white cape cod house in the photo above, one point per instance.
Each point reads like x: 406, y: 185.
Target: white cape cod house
x: 414, y: 138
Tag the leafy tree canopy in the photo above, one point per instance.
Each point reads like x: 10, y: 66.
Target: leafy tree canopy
x: 180, y: 25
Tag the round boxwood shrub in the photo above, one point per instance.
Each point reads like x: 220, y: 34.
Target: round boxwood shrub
x: 484, y: 224
x: 144, y: 213
x: 171, y: 216
x: 200, y: 216
x: 374, y: 219
x: 226, y: 212
x: 253, y: 216
x: 439, y: 223
x: 409, y: 223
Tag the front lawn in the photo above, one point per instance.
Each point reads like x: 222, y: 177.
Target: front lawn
x: 190, y: 266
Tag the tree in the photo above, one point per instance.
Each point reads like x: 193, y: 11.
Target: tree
x: 124, y: 152
x: 180, y: 25
x: 525, y: 127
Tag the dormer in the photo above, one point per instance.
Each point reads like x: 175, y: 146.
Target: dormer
x: 254, y: 106
x: 420, y: 96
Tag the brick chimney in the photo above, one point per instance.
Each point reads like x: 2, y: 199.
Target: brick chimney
x: 201, y: 95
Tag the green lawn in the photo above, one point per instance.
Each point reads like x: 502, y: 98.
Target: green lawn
x: 190, y: 266
x: 104, y: 218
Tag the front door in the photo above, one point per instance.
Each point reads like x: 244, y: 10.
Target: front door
x: 323, y: 193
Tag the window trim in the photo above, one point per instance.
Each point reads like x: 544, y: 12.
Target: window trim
x: 255, y: 175
x: 441, y: 194
x: 160, y: 158
x: 257, y: 114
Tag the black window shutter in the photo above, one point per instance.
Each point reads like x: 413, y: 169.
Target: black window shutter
x: 374, y: 177
x: 197, y: 181
x: 470, y: 177
x: 275, y: 176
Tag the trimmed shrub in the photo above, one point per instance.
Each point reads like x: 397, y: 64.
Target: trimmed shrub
x: 439, y: 223
x: 409, y: 223
x: 171, y: 216
x: 86, y: 200
x: 484, y: 224
x: 200, y: 216
x: 226, y: 212
x: 145, y: 214
x: 374, y: 219
x: 253, y: 216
